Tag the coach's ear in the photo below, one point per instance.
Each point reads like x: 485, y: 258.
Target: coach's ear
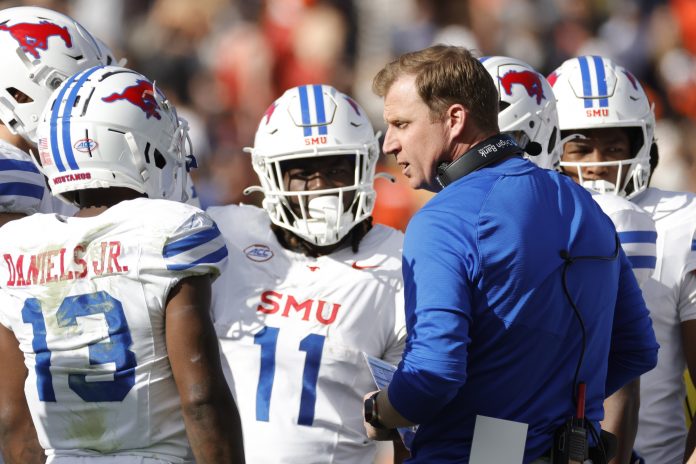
x: 456, y: 119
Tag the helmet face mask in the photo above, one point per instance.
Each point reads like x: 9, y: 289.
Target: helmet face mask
x: 315, y: 124
x: 617, y: 147
x: 110, y: 127
x: 594, y: 93
x: 39, y: 49
x: 527, y: 108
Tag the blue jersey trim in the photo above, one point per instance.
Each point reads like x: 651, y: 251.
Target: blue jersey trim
x: 212, y: 258
x: 21, y: 189
x: 18, y: 165
x: 638, y: 236
x: 190, y: 242
x: 642, y: 262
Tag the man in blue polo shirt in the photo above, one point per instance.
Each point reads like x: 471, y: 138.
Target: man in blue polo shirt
x: 516, y: 287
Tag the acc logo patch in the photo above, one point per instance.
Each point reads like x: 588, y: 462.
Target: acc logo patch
x: 85, y: 145
x: 258, y: 253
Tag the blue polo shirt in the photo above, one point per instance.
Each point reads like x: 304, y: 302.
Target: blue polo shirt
x: 490, y: 331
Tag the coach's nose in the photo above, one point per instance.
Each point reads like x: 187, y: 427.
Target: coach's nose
x: 391, y: 145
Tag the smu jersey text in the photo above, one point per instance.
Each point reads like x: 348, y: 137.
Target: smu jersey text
x: 292, y: 330
x: 87, y: 305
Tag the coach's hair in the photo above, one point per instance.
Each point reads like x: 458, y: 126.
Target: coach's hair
x: 446, y: 75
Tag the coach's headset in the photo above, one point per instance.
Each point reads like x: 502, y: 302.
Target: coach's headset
x: 492, y: 150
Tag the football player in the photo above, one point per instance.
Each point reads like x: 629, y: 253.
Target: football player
x: 316, y: 284
x: 22, y: 187
x: 528, y: 112
x: 608, y: 124
x: 109, y: 309
x: 39, y: 49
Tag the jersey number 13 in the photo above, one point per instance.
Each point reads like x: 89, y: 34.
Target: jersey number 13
x: 114, y: 350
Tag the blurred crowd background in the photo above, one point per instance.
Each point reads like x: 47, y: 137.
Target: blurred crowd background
x: 224, y: 61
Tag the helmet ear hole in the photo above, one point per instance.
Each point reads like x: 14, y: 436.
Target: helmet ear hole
x: 552, y: 140
x: 147, y: 153
x: 160, y: 161
x: 635, y: 137
x: 19, y: 96
x: 654, y: 157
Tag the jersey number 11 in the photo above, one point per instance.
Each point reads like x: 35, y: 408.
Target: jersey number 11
x: 313, y: 345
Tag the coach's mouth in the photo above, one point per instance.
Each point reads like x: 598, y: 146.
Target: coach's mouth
x: 404, y: 168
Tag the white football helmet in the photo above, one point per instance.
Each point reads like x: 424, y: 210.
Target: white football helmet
x: 107, y: 55
x: 312, y: 121
x: 109, y: 126
x: 39, y: 49
x: 594, y: 93
x: 527, y: 109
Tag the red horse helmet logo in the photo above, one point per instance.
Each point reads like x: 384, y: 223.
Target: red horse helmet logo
x: 269, y: 112
x: 141, y: 95
x: 631, y: 79
x: 528, y: 79
x: 353, y: 104
x: 34, y: 37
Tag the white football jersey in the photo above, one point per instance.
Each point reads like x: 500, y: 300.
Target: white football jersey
x: 636, y: 231
x: 670, y: 295
x: 292, y: 331
x: 91, y: 322
x: 22, y: 186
